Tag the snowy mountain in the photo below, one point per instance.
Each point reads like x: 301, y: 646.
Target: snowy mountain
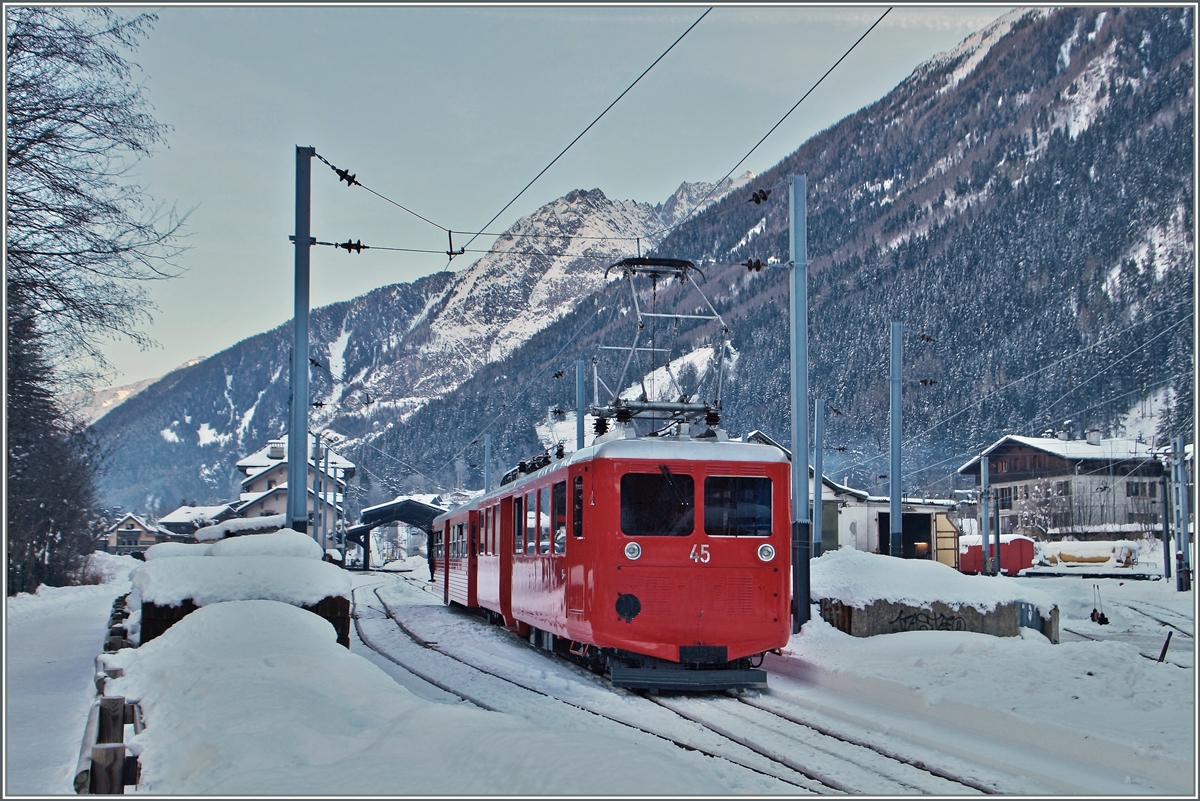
x: 382, y: 356
x: 1024, y: 201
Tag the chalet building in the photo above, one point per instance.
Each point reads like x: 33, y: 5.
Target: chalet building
x: 185, y: 520
x: 264, y: 490
x: 1093, y: 488
x: 132, y: 534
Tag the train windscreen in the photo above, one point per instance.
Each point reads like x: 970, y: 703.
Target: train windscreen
x: 657, y: 504
x: 737, y: 506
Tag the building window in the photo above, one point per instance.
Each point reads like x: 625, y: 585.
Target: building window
x: 1005, y: 497
x: 1141, y: 489
x: 1062, y: 488
x: 271, y: 484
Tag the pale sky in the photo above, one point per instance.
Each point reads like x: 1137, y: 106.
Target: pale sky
x: 450, y: 111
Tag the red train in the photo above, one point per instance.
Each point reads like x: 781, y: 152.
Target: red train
x: 663, y: 561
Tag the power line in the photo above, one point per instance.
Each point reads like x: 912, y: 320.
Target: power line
x: 352, y: 180
x: 589, y: 127
x: 776, y: 125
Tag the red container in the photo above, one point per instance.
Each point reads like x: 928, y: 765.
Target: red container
x: 1016, y: 554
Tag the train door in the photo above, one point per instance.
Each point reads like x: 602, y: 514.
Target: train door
x: 558, y: 546
x: 505, y: 546
x: 472, y: 554
x: 576, y: 565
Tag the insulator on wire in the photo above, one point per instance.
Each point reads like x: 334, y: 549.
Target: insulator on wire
x: 755, y: 265
x: 925, y: 337
x: 601, y: 425
x: 357, y: 247
x: 344, y: 175
x: 559, y: 373
x: 927, y: 382
x: 760, y: 196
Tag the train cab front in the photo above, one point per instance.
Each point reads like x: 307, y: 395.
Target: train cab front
x: 694, y: 584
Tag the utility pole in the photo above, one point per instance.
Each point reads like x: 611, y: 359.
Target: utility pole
x: 1183, y: 576
x: 801, y: 532
x: 1166, y: 526
x: 297, y: 501
x: 327, y: 512
x: 895, y: 521
x: 985, y: 546
x: 487, y: 463
x: 580, y: 405
x: 818, y: 467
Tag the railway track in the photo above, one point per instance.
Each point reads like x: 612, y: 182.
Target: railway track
x: 747, y: 730
x: 1157, y: 614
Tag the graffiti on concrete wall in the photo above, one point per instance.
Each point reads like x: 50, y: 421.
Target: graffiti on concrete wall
x: 928, y: 621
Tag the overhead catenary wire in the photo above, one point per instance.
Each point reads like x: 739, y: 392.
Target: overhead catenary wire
x: 741, y: 161
x: 352, y: 180
x: 589, y: 127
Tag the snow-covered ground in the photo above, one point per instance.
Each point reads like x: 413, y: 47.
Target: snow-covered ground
x: 256, y: 697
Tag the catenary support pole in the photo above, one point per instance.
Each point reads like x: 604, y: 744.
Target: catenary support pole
x: 487, y: 462
x: 895, y: 521
x: 326, y: 510
x: 1166, y: 525
x: 297, y: 506
x: 985, y: 545
x: 580, y: 404
x: 801, y: 534
x: 818, y: 465
x: 1183, y: 575
x: 316, y: 484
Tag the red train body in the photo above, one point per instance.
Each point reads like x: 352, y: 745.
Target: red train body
x: 663, y: 560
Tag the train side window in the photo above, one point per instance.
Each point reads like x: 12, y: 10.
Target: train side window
x: 577, y: 507
x: 475, y: 537
x: 558, y: 517
x: 544, y: 520
x: 531, y: 511
x: 519, y: 523
x: 737, y: 506
x: 487, y: 531
x: 496, y: 528
x: 657, y: 504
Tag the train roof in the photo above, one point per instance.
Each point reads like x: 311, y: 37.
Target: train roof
x: 699, y: 449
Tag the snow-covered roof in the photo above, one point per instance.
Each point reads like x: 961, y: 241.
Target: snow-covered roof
x: 261, y: 458
x: 241, y: 525
x: 281, y: 466
x: 195, y: 514
x: 139, y: 521
x: 1072, y: 450
x: 941, y: 503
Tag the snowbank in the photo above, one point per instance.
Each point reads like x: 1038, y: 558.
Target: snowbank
x: 292, y: 580
x: 166, y: 550
x: 241, y: 525
x: 220, y: 686
x: 285, y: 542
x: 858, y: 578
x: 110, y: 568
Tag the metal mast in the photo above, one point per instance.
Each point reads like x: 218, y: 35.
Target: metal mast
x: 297, y: 501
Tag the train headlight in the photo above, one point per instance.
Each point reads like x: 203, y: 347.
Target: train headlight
x: 633, y: 550
x: 766, y: 552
